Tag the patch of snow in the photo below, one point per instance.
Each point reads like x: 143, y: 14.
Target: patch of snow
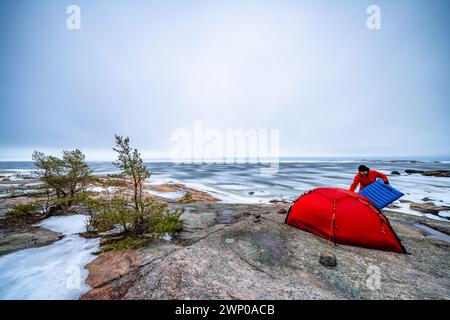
x: 51, y: 272
x: 444, y: 214
x: 66, y: 225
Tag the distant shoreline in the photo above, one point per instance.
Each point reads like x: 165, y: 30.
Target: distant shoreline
x: 280, y: 160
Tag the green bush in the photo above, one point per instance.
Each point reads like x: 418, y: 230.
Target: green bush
x: 108, y: 213
x: 127, y: 243
x: 187, y: 198
x: 161, y: 221
x: 21, y: 211
x: 117, y: 217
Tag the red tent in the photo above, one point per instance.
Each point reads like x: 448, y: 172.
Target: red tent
x: 344, y: 217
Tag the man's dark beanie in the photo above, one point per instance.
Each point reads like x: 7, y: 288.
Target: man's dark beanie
x: 363, y: 168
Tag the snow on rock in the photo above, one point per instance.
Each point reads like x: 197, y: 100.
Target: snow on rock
x: 55, y: 271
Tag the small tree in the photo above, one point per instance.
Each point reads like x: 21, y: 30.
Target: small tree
x: 130, y: 162
x: 65, y: 178
x: 134, y: 221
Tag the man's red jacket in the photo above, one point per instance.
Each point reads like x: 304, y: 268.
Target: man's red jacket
x: 367, y: 179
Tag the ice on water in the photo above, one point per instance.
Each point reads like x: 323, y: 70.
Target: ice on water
x: 244, y: 183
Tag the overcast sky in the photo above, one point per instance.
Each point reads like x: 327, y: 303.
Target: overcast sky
x: 311, y: 69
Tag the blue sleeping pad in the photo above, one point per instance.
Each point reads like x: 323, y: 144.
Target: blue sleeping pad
x: 380, y: 194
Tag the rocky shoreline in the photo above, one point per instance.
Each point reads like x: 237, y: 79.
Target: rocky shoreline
x: 430, y: 173
x: 245, y: 251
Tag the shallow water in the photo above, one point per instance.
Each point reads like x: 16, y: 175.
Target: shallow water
x: 55, y: 271
x: 432, y: 233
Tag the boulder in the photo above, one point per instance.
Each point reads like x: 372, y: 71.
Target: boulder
x: 411, y: 171
x: 328, y: 259
x: 278, y: 200
x: 395, y: 173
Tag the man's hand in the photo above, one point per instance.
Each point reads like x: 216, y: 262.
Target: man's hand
x: 386, y: 182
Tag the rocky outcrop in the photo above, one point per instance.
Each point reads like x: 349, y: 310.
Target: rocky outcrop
x: 245, y: 251
x: 115, y: 263
x: 197, y: 195
x: 12, y: 240
x: 432, y: 173
x: 428, y: 207
x: 111, y: 274
x: 224, y: 254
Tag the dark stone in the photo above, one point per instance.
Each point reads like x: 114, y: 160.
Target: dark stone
x: 413, y: 171
x: 278, y: 200
x: 251, y: 193
x: 328, y: 259
x: 395, y: 173
x: 282, y: 211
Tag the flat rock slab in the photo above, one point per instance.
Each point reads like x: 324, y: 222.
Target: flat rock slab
x: 25, y: 238
x: 110, y: 266
x: 428, y: 208
x: 239, y: 258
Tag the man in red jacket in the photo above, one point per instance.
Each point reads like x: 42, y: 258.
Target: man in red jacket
x: 365, y: 176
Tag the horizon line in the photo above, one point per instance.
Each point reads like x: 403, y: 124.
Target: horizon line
x: 284, y: 158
